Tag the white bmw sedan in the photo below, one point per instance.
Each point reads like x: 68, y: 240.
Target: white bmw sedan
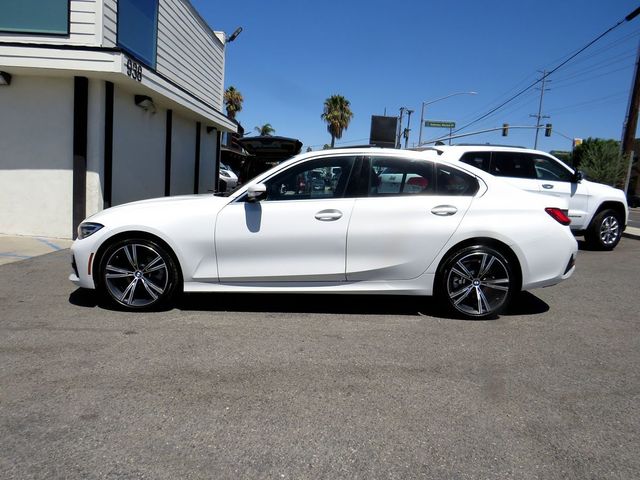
x: 437, y: 228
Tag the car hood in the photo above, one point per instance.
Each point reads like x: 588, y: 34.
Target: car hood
x: 602, y: 190
x: 156, y: 209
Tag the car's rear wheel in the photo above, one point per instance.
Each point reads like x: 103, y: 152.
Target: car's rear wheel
x: 138, y: 274
x: 605, y: 230
x: 477, y: 282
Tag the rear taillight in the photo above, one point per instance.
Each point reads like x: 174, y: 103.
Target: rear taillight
x: 558, y: 215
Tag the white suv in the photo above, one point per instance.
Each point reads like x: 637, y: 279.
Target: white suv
x: 597, y: 211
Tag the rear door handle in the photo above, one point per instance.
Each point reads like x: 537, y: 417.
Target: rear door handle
x: 444, y: 210
x: 330, y: 215
x: 547, y: 186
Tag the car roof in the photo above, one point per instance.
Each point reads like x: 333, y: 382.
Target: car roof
x: 428, y: 153
x: 487, y: 148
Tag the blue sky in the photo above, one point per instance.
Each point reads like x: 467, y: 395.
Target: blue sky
x: 292, y: 55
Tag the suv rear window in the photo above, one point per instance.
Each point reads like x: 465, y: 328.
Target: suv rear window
x: 479, y: 160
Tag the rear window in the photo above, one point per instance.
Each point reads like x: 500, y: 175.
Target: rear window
x: 454, y: 182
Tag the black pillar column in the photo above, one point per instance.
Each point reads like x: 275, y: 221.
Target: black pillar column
x: 108, y: 145
x: 216, y: 171
x: 196, y: 173
x: 80, y: 109
x: 167, y: 154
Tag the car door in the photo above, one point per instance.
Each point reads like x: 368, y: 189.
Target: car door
x: 298, y: 232
x: 396, y: 234
x: 554, y: 178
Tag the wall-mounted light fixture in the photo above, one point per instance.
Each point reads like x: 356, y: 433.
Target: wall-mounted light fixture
x: 5, y: 78
x: 146, y: 103
x: 234, y: 35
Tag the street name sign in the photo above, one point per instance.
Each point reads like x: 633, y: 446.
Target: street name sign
x: 439, y: 124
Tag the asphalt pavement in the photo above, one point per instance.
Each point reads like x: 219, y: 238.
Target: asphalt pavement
x: 295, y: 387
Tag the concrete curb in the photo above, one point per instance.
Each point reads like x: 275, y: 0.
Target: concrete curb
x: 632, y: 232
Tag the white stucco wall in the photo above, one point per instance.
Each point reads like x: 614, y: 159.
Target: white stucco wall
x: 138, y: 150
x: 36, y: 155
x: 95, y: 146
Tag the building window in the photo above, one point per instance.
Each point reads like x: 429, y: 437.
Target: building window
x: 137, y: 29
x: 47, y: 17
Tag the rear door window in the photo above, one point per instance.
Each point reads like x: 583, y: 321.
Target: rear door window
x: 400, y: 176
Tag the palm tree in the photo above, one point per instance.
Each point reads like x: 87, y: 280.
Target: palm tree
x: 337, y: 113
x: 265, y: 130
x: 233, y: 102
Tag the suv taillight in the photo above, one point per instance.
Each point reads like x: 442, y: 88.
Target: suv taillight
x: 558, y: 215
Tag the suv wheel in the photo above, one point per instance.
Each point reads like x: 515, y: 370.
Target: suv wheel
x: 605, y: 230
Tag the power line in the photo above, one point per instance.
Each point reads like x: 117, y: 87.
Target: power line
x: 608, y: 98
x: 596, y: 66
x: 593, y: 77
x: 599, y: 51
x: 628, y: 18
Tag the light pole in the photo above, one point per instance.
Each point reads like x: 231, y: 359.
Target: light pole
x: 424, y: 104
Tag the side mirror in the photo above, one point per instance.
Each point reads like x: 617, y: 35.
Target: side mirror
x: 577, y: 176
x: 256, y: 192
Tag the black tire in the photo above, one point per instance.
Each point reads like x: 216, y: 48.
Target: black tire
x: 605, y: 230
x: 476, y: 282
x: 138, y: 274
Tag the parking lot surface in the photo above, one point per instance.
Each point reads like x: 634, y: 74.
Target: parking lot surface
x: 250, y: 386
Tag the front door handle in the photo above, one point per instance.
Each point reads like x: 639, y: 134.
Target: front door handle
x: 444, y: 210
x: 547, y: 186
x: 330, y: 215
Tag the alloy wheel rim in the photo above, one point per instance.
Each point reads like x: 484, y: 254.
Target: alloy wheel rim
x: 136, y: 275
x: 478, y: 283
x: 609, y: 230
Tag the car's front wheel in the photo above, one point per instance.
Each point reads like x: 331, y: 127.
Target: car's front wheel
x: 605, y: 230
x: 138, y: 274
x: 477, y: 282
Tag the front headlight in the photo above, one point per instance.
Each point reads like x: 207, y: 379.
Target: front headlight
x: 86, y: 229
x: 224, y: 173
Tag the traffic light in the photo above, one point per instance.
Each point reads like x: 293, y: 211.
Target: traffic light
x: 547, y: 130
x: 505, y: 129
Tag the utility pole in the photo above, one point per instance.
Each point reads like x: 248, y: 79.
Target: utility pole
x: 631, y: 122
x: 408, y: 129
x: 399, y: 135
x: 539, y: 116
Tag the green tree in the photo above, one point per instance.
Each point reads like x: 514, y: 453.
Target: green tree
x: 233, y: 102
x: 337, y: 113
x: 601, y: 160
x: 265, y: 130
